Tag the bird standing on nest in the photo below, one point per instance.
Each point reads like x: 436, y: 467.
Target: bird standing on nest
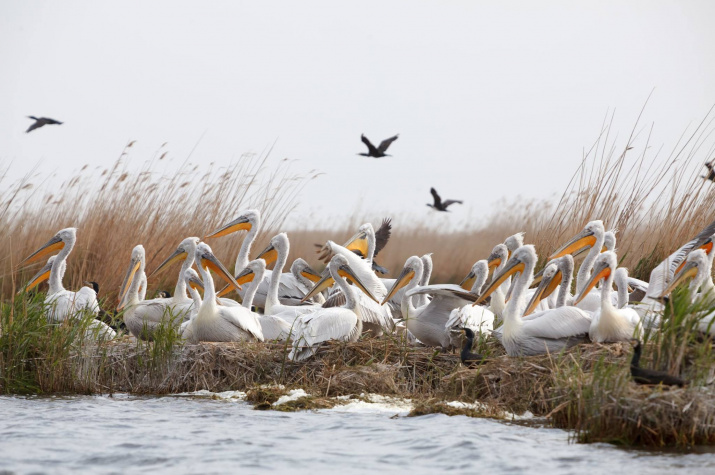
x: 440, y: 205
x: 39, y: 122
x: 377, y: 152
x: 649, y: 376
x: 468, y: 358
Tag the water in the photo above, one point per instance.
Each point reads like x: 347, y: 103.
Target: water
x: 124, y: 434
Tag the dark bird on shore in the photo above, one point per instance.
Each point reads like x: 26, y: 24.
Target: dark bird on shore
x: 39, y: 122
x: 104, y: 316
x: 468, y: 358
x: 382, y: 235
x: 649, y: 376
x: 377, y: 152
x: 711, y: 171
x: 440, y: 205
x: 162, y: 294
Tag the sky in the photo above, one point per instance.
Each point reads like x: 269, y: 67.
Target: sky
x: 491, y: 99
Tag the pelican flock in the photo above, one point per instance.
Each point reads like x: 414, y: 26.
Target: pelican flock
x: 350, y: 300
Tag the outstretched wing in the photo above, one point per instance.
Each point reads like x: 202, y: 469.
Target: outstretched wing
x: 382, y: 235
x: 47, y: 120
x: 370, y: 147
x: 709, y: 165
x: 449, y: 202
x: 386, y: 143
x: 437, y: 199
x: 36, y: 125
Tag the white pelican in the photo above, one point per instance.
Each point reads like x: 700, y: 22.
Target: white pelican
x: 306, y: 278
x: 514, y: 242
x: 215, y: 322
x: 609, y: 324
x: 478, y: 319
x: 179, y: 302
x: 427, y: 323
x: 548, y: 331
x: 496, y: 261
x: 273, y: 326
x: 95, y: 327
x: 289, y: 290
x: 63, y: 304
x: 334, y: 323
x: 557, y: 273
x: 193, y: 284
x: 374, y: 317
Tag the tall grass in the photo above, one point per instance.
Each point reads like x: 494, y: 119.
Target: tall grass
x: 119, y: 207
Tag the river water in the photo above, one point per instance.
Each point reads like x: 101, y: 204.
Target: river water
x: 194, y: 434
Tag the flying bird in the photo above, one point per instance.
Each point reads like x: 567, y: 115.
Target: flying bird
x: 378, y: 152
x: 40, y: 122
x: 440, y: 205
x: 711, y: 171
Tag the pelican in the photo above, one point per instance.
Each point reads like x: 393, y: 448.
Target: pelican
x: 609, y: 324
x: 539, y: 333
x: 95, y: 327
x: 63, y: 304
x: 593, y: 235
x: 374, y: 317
x: 496, y: 260
x: 214, y: 322
x: 427, y: 323
x: 558, y: 272
x: 306, y: 278
x: 334, y: 323
x: 193, y: 284
x: 273, y: 326
x: 289, y: 289
x: 180, y: 303
x: 477, y: 319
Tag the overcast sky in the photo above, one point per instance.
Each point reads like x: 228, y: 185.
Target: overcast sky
x: 479, y: 92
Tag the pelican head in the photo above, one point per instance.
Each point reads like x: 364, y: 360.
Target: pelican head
x: 339, y: 265
x: 56, y: 243
x: 413, y: 266
x: 517, y: 263
x: 706, y: 246
x: 477, y: 276
x: 193, y: 280
x: 249, y: 273
x: 137, y: 262
x: 604, y: 266
x: 186, y: 248
x: 696, y: 260
x: 300, y: 266
x: 278, y: 245
x: 41, y: 276
x: 248, y: 220
x: 514, y: 242
x: 550, y: 280
x: 587, y: 237
x: 360, y: 241
x: 206, y: 261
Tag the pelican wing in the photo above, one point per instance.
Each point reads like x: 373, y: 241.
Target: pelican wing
x: 327, y: 324
x: 558, y: 323
x: 445, y: 290
x: 243, y: 319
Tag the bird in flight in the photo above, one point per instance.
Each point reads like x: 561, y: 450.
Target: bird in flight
x: 39, y: 122
x: 378, y: 152
x: 711, y: 171
x: 440, y: 205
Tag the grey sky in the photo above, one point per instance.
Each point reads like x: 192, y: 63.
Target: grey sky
x: 478, y: 91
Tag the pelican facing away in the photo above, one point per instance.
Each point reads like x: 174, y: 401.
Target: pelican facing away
x: 539, y: 333
x: 214, y: 322
x: 62, y: 303
x: 609, y: 324
x: 334, y: 323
